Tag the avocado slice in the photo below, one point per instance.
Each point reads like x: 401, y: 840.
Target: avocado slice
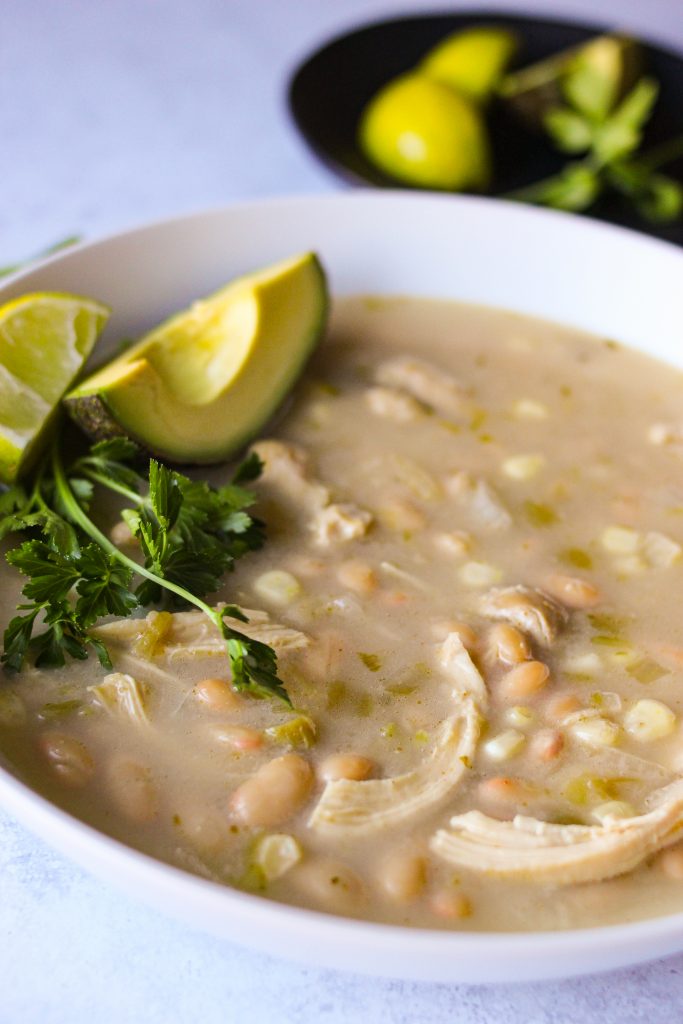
x: 197, y: 388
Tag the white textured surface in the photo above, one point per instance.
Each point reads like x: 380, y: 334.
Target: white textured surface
x: 112, y: 113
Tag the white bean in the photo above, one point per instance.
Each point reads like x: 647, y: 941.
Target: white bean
x: 275, y: 793
x: 328, y: 884
x: 346, y: 766
x: 69, y: 759
x: 132, y: 790
x: 402, y: 876
x: 450, y: 904
x: 216, y: 695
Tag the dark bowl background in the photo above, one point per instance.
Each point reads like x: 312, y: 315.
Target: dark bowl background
x: 329, y: 90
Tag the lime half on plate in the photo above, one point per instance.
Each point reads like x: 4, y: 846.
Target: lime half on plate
x: 45, y: 338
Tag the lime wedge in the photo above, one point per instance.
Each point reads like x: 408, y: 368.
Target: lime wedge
x: 45, y: 338
x: 423, y: 132
x: 471, y: 61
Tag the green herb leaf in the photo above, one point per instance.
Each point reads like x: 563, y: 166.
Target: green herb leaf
x: 51, y: 576
x: 611, y: 135
x: 570, y: 131
x: 575, y: 188
x: 590, y: 89
x: 164, y: 494
x: 254, y: 665
x: 18, y: 637
x: 660, y: 200
x: 250, y: 469
x: 104, y: 587
x: 621, y: 134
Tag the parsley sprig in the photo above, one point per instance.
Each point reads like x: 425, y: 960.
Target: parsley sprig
x: 190, y: 535
x: 610, y: 134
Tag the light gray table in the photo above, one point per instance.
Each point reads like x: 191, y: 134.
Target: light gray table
x: 116, y: 112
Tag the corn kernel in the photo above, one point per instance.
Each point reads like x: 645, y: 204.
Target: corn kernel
x: 505, y: 745
x: 661, y: 551
x: 520, y: 716
x: 661, y: 433
x: 276, y: 854
x: 595, y: 731
x: 607, y: 700
x: 649, y: 720
x: 612, y: 810
x: 277, y: 586
x: 456, y: 543
x: 523, y: 467
x: 529, y: 409
x: 583, y: 665
x: 620, y: 540
x: 630, y: 565
x: 480, y: 574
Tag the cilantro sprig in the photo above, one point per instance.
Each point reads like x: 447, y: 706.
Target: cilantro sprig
x: 190, y: 535
x: 609, y: 134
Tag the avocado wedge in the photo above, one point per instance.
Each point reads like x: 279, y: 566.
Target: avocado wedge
x: 197, y: 388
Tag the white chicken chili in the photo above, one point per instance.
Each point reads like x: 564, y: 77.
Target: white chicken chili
x: 472, y: 582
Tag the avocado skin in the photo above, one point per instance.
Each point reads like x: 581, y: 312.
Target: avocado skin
x: 93, y: 417
x: 90, y: 413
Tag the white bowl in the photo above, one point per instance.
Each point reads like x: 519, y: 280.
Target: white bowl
x: 603, y: 279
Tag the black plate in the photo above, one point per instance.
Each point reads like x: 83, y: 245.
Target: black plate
x: 329, y: 90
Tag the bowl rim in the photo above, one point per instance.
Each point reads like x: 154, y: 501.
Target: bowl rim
x: 99, y: 853
x: 582, y: 222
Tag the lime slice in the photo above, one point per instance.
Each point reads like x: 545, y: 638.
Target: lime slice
x: 472, y: 61
x: 45, y: 338
x: 423, y: 132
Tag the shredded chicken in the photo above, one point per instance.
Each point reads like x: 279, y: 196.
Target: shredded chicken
x: 287, y: 468
x: 394, y: 404
x: 429, y: 384
x: 340, y: 523
x: 480, y: 500
x: 348, y: 807
x: 528, y: 608
x: 192, y: 635
x: 454, y: 658
x: 526, y: 849
x: 611, y: 762
x: 123, y: 695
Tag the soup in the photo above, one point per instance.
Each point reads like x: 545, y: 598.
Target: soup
x: 473, y: 559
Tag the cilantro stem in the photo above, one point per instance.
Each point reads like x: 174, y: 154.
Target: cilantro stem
x: 113, y: 485
x: 76, y: 513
